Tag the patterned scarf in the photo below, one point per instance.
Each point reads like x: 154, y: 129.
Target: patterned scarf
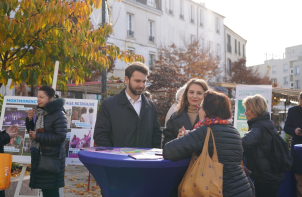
x: 39, y: 124
x: 209, y: 121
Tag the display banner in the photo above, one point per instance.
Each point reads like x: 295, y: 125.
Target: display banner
x: 81, y: 117
x: 243, y: 91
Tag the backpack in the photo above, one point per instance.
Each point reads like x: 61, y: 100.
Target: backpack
x: 279, y: 157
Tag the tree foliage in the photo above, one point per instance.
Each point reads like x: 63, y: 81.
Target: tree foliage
x: 241, y: 74
x: 192, y: 59
x: 36, y: 33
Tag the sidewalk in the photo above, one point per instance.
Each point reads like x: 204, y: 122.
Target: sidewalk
x: 76, y: 183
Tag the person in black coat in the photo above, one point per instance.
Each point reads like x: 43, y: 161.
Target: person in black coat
x: 48, y: 135
x: 216, y: 107
x: 5, y: 137
x: 257, y: 145
x: 129, y: 119
x: 293, y: 127
x: 186, y: 115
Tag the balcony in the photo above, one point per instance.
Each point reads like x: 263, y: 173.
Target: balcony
x: 229, y: 48
x: 170, y: 12
x: 130, y: 33
x: 192, y: 20
x: 151, y: 38
x: 181, y: 16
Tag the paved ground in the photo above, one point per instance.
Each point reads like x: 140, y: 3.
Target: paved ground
x: 76, y: 183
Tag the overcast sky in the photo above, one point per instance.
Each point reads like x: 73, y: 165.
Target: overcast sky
x: 268, y: 25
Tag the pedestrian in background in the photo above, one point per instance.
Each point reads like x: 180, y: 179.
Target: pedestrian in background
x: 293, y: 127
x: 257, y: 144
x: 48, y: 135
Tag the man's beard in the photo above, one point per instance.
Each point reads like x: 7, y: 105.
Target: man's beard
x: 135, y: 92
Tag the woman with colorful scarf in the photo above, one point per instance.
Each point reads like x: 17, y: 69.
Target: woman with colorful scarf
x: 216, y: 108
x: 48, y: 135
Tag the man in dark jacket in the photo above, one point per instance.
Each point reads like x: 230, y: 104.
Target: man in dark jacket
x: 293, y: 127
x: 129, y: 119
x: 5, y: 137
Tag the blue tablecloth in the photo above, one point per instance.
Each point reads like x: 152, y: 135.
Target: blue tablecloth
x: 120, y: 175
x: 298, y: 148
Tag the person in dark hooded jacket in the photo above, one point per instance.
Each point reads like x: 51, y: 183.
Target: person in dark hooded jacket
x: 216, y: 107
x: 48, y: 135
x: 257, y: 144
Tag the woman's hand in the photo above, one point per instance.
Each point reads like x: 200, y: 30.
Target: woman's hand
x: 181, y: 132
x: 30, y: 114
x: 12, y: 131
x: 298, y: 131
x: 32, y: 134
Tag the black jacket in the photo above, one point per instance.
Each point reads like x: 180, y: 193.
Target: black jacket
x: 4, y: 139
x: 257, y: 145
x: 52, y: 144
x: 294, y: 120
x: 175, y: 123
x: 229, y: 150
x: 118, y: 124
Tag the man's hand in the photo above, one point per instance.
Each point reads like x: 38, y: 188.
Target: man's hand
x: 298, y: 131
x: 12, y: 131
x: 32, y: 134
x: 30, y: 114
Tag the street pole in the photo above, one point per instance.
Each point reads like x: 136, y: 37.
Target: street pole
x: 104, y: 72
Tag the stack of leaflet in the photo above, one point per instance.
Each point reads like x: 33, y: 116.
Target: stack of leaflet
x: 143, y: 154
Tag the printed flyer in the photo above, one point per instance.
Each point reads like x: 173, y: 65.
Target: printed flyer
x: 80, y: 114
x: 243, y: 91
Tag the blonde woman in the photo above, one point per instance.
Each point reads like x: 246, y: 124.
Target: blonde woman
x: 257, y: 144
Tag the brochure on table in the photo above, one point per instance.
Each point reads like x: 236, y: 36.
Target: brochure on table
x: 81, y: 117
x: 242, y: 91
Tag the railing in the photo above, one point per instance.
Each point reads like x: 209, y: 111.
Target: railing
x: 285, y: 69
x: 171, y: 12
x: 130, y: 33
x: 229, y: 48
x: 297, y: 87
x: 181, y: 16
x: 151, y: 38
x: 192, y: 20
x: 217, y: 31
x: 201, y: 24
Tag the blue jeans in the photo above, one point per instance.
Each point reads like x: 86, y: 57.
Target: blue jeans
x: 50, y: 192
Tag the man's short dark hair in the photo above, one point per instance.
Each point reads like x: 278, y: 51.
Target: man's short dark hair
x: 136, y: 66
x: 300, y: 96
x: 216, y: 105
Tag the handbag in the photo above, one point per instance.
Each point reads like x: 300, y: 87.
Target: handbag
x: 49, y: 164
x: 204, y: 176
x: 5, y: 170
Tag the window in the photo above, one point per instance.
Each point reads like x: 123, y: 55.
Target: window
x: 274, y: 81
x: 274, y: 70
x: 151, y: 30
x: 132, y: 50
x: 218, y: 51
x: 151, y: 3
x: 217, y: 24
x: 192, y: 14
x: 235, y: 46
x: 285, y: 67
x: 285, y: 80
x: 170, y: 7
x: 210, y: 46
x: 192, y: 38
x: 151, y: 61
x: 181, y: 10
x: 243, y: 51
x: 229, y: 47
x: 229, y: 64
x: 130, y: 31
x: 297, y: 84
x: 201, y: 18
x: 239, y: 48
x: 297, y: 70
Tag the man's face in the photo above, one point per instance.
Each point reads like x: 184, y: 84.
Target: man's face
x: 137, y: 82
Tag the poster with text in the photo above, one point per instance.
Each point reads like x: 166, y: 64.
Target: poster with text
x: 243, y: 91
x: 80, y: 114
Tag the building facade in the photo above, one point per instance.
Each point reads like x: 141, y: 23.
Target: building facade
x: 143, y: 26
x: 235, y: 47
x: 286, y: 72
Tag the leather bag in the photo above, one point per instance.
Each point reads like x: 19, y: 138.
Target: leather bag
x: 5, y: 170
x: 204, y: 176
x: 49, y: 164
